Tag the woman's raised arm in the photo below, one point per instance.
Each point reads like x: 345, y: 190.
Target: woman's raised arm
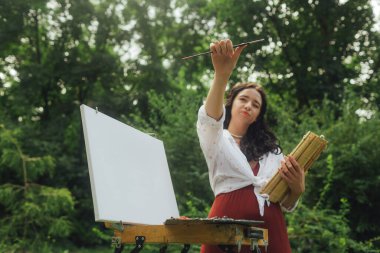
x: 224, y: 59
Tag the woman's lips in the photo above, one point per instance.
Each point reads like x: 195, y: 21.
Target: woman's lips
x: 246, y: 114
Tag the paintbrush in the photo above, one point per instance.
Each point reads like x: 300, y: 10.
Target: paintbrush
x: 209, y: 52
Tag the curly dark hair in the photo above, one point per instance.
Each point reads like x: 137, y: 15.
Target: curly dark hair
x: 259, y: 139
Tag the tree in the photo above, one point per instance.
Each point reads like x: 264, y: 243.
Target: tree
x: 32, y: 215
x: 313, y: 49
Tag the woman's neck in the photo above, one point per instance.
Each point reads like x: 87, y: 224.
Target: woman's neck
x: 237, y: 131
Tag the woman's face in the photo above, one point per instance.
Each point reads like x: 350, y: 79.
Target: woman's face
x: 246, y: 106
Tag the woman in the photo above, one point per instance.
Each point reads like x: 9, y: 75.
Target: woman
x: 242, y: 154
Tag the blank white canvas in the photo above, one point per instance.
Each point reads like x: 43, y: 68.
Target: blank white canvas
x: 129, y: 173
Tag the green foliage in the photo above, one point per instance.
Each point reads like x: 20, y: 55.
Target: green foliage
x: 327, y: 185
x: 314, y: 230
x: 323, y: 229
x: 355, y: 151
x: 33, y: 216
x: 309, y: 50
x: 195, y: 207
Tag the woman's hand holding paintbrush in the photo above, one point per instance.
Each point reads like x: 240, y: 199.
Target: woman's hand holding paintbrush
x: 224, y: 57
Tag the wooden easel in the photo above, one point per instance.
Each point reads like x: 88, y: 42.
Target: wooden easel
x: 224, y: 232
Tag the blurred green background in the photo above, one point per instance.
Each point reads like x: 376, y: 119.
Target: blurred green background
x: 319, y: 64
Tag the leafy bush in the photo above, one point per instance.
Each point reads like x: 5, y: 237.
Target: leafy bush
x: 33, y: 216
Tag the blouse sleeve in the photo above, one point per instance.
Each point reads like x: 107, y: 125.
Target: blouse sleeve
x: 291, y: 209
x: 210, y: 132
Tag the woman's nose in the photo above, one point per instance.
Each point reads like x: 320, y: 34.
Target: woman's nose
x: 248, y: 106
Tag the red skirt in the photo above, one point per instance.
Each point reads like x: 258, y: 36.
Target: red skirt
x: 242, y: 204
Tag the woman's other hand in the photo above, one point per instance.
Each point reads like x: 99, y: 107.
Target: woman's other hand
x: 224, y: 57
x: 294, y: 175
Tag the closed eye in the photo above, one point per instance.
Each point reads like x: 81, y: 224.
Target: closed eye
x: 256, y: 105
x: 254, y: 102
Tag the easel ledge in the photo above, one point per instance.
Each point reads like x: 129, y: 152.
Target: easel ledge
x: 193, y: 231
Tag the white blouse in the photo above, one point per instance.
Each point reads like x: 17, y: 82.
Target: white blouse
x: 228, y: 167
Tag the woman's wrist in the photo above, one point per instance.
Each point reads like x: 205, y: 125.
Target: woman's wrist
x: 221, y: 77
x: 294, y: 195
x: 290, y: 200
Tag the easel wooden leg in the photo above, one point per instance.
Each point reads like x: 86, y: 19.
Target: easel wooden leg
x: 139, y: 244
x: 256, y: 249
x: 186, y: 248
x: 163, y: 248
x: 119, y: 250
